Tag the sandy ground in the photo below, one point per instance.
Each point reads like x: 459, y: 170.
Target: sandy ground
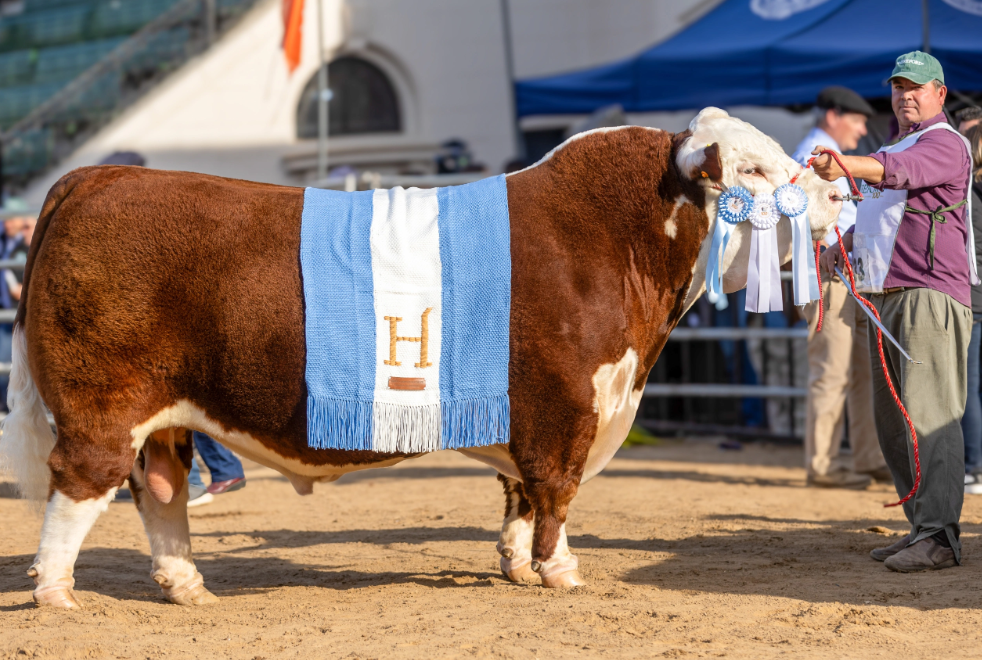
x: 688, y: 550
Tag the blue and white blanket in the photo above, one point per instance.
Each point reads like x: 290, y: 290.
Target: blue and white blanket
x: 408, y: 297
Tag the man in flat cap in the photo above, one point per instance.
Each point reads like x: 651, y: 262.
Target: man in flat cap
x: 839, y: 374
x: 913, y: 253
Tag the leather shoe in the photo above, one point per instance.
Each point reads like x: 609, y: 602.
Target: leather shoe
x: 880, y: 475
x: 881, y: 554
x: 925, y: 555
x: 227, y: 486
x: 840, y: 479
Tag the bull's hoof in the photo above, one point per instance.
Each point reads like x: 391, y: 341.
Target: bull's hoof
x: 559, y: 573
x: 518, y: 570
x: 564, y: 580
x: 58, y: 596
x: 197, y: 596
x: 191, y: 593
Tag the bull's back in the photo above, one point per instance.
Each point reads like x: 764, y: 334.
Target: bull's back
x: 151, y: 287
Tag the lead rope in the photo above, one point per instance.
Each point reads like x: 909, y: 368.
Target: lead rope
x: 879, y: 334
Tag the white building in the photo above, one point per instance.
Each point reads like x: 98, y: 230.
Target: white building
x: 408, y: 75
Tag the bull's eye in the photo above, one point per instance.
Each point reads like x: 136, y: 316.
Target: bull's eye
x: 750, y: 171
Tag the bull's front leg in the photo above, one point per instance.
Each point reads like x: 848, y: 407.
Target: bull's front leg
x: 551, y: 467
x: 551, y: 558
x: 515, y: 542
x: 160, y: 489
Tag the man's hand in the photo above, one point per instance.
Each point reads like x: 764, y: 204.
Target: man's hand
x: 833, y: 256
x: 825, y: 166
x: 861, y: 167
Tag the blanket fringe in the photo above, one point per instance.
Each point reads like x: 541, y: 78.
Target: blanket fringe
x: 409, y: 429
x: 389, y: 428
x: 339, y: 424
x: 476, y: 422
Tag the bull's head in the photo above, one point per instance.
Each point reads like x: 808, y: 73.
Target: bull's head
x: 724, y: 151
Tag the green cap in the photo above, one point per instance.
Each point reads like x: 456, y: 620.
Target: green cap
x: 918, y: 67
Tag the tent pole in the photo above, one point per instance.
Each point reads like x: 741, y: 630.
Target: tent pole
x: 322, y: 97
x: 926, y: 19
x: 518, y: 144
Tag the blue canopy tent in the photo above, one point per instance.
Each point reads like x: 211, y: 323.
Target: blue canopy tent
x: 773, y: 52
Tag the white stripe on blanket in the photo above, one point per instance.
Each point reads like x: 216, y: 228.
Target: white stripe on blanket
x: 406, y: 222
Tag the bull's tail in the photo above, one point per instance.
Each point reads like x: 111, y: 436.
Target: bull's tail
x: 26, y: 439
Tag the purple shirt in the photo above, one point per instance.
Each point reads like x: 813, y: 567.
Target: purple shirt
x: 935, y: 172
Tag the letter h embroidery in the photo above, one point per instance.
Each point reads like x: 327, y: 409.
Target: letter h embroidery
x: 423, y: 339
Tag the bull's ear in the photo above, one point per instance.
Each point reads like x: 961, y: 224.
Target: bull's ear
x: 712, y: 166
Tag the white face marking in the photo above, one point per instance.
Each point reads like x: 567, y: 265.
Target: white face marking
x: 755, y: 161
x: 616, y: 402
x: 186, y: 415
x: 574, y: 138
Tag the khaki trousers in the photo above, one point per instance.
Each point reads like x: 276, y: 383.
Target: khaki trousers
x: 839, y: 377
x: 935, y: 329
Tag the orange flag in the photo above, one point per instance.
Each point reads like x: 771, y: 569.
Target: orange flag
x: 292, y: 32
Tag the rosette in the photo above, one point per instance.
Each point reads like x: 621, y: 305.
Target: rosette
x: 734, y: 205
x: 764, y: 214
x: 791, y: 199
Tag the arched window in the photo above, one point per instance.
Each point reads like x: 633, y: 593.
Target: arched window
x: 363, y: 101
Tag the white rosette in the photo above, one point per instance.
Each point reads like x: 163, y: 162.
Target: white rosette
x: 764, y: 271
x: 792, y: 201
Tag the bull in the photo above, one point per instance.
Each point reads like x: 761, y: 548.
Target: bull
x: 159, y: 302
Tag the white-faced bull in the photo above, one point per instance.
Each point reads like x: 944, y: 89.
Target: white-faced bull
x: 159, y: 302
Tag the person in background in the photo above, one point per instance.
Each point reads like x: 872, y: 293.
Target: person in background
x: 915, y: 259
x: 18, y: 227
x: 972, y: 420
x: 967, y: 118
x: 840, y: 381
x: 226, y: 470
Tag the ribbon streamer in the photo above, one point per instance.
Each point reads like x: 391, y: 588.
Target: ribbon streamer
x: 714, y: 275
x: 803, y: 253
x: 792, y: 202
x: 763, y: 273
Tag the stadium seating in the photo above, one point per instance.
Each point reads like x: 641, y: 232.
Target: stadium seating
x: 62, y: 63
x: 51, y: 42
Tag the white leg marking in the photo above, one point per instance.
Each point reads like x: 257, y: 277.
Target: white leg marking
x: 166, y: 525
x: 560, y: 569
x: 616, y: 401
x: 66, y: 523
x: 515, y: 542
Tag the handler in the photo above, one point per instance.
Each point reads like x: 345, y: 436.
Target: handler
x: 914, y: 256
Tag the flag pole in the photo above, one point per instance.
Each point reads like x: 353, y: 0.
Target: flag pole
x: 322, y: 97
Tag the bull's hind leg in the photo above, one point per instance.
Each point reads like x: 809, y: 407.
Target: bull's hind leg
x: 160, y: 489
x: 66, y: 523
x: 85, y: 475
x: 515, y: 542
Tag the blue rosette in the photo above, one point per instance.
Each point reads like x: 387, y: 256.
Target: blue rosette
x: 732, y: 208
x: 791, y: 200
x: 735, y: 205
